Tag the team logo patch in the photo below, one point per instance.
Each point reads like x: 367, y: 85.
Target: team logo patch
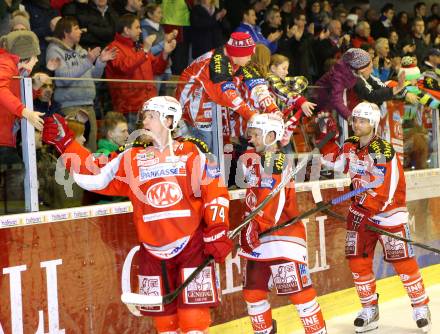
x: 164, y: 194
x: 201, y: 289
x: 150, y: 286
x: 285, y: 278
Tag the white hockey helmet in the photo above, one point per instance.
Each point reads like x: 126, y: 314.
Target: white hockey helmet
x: 369, y: 111
x: 267, y: 123
x: 165, y: 106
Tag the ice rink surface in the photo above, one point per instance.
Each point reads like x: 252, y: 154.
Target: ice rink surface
x: 395, y: 317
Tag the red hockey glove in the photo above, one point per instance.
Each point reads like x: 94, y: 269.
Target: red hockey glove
x: 358, y: 217
x: 249, y: 237
x: 217, y: 242
x: 57, y: 133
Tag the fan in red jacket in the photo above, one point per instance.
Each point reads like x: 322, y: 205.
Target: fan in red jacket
x: 18, y: 56
x: 135, y: 63
x: 180, y: 210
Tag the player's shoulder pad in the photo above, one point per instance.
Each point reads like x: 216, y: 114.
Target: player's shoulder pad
x: 202, y: 146
x: 220, y: 67
x: 134, y: 144
x: 352, y: 140
x: 275, y: 160
x: 381, y: 149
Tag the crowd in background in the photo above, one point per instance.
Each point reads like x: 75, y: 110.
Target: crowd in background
x: 82, y: 39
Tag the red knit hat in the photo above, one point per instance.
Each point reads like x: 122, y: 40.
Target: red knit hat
x: 240, y: 44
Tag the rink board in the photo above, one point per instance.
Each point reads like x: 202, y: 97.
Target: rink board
x: 62, y: 271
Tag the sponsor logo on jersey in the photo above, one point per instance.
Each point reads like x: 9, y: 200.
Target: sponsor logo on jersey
x: 164, y: 194
x: 304, y: 275
x: 201, y: 288
x: 285, y: 278
x: 144, y: 156
x: 150, y: 286
x: 267, y: 182
x: 213, y: 171
x: 147, y: 163
x: 252, y: 83
x: 174, y: 159
x: 162, y: 170
x: 228, y: 85
x: 379, y: 170
x: 251, y: 200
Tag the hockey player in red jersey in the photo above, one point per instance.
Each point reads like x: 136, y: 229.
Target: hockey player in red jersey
x: 282, y: 255
x: 180, y: 209
x: 366, y: 157
x: 209, y: 81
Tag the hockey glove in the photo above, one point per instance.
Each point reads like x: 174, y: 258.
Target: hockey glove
x: 358, y: 217
x: 57, y: 133
x: 217, y: 242
x: 249, y: 237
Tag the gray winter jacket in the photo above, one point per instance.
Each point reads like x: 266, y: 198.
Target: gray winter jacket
x: 74, y: 64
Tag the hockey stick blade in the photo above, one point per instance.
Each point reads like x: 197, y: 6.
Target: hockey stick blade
x: 141, y: 300
x: 392, y: 235
x: 281, y: 185
x: 323, y: 206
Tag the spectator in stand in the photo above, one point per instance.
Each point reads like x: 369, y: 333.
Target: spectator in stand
x: 20, y: 21
x: 330, y: 44
x: 74, y: 8
x: 418, y: 39
x: 297, y: 45
x: 115, y: 133
x: 206, y: 27
x: 300, y: 7
x: 272, y: 22
x: 435, y: 12
x: 136, y: 63
x: 420, y: 10
x: 58, y: 4
x: 41, y: 14
x: 248, y: 25
x: 382, y: 63
x: 176, y: 16
x: 350, y: 24
x: 97, y: 19
x: 314, y: 14
x: 430, y: 80
x: 6, y: 8
x: 123, y: 7
x: 286, y: 13
x: 69, y: 59
x: 18, y: 56
x: 42, y: 91
x: 381, y: 28
x: 151, y: 27
x: 260, y: 7
x: 393, y: 41
x: 362, y: 35
x: 402, y: 25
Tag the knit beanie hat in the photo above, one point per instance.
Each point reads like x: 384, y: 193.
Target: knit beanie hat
x: 408, y: 64
x: 22, y: 43
x: 356, y: 58
x: 240, y: 44
x: 20, y: 17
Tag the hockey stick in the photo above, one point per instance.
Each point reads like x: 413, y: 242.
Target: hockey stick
x: 324, y: 206
x: 388, y: 234
x: 392, y: 235
x: 132, y: 298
